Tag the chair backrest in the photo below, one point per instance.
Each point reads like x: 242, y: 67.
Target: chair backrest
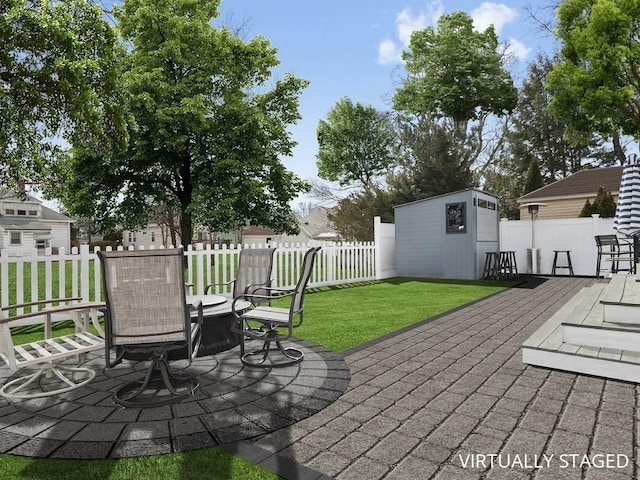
x: 297, y: 303
x: 254, y: 268
x: 145, y: 297
x: 607, y: 240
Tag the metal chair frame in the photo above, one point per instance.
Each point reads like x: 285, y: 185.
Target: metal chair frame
x: 147, y: 317
x: 50, y: 352
x: 255, y: 266
x: 271, y: 319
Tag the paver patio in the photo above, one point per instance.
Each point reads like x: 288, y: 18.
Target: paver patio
x: 420, y: 402
x: 446, y: 398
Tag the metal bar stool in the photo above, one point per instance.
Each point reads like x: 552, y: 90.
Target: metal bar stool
x: 568, y: 266
x: 491, y: 265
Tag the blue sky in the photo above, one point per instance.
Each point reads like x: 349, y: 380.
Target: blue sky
x: 351, y: 48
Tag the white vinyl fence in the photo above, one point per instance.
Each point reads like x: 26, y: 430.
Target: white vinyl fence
x: 77, y: 274
x: 575, y: 234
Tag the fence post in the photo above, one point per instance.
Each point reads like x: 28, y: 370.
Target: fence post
x: 84, y: 272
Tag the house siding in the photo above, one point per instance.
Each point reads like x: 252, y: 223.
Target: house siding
x: 560, y: 208
x: 60, y: 235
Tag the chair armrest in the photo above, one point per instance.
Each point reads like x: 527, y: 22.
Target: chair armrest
x: 248, y: 297
x: 41, y: 302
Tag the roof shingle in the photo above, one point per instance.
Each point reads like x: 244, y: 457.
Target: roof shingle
x: 584, y: 182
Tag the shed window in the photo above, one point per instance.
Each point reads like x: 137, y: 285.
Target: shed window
x: 456, y: 217
x: 15, y: 238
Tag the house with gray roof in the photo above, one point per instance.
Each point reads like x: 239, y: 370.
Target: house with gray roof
x: 566, y: 197
x: 26, y: 224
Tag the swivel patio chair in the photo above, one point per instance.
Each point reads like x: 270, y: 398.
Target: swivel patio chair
x: 254, y: 271
x: 52, y: 377
x: 146, y: 318
x: 273, y: 324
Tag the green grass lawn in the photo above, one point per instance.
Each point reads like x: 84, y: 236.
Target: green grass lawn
x: 339, y: 318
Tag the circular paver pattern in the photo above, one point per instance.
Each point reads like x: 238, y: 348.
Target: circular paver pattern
x: 233, y: 403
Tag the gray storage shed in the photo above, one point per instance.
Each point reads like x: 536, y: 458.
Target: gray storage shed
x: 447, y: 236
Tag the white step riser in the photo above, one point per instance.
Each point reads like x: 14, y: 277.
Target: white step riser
x: 627, y: 314
x: 602, y: 338
x: 590, y: 366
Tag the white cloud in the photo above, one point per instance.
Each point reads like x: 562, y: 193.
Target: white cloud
x: 496, y: 14
x: 517, y: 49
x: 488, y: 13
x: 388, y: 52
x: 406, y: 23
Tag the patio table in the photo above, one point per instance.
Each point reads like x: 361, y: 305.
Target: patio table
x: 217, y: 321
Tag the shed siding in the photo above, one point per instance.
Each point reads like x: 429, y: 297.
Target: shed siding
x: 425, y: 249
x: 418, y: 241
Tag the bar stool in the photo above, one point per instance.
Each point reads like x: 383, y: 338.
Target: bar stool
x: 568, y: 266
x: 491, y: 265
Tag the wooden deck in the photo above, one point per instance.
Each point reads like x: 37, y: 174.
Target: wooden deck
x: 581, y: 337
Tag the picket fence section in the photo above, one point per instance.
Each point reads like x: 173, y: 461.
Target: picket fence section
x: 77, y: 274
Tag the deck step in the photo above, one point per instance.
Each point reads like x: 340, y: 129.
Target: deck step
x: 582, y: 316
x: 602, y: 336
x: 621, y: 300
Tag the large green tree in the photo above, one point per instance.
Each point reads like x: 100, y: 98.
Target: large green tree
x: 456, y: 76
x: 209, y: 127
x: 58, y: 84
x: 356, y: 143
x: 536, y: 133
x: 596, y: 84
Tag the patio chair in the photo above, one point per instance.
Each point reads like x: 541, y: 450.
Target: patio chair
x: 51, y: 377
x: 254, y: 271
x: 146, y: 318
x: 615, y: 251
x: 267, y: 323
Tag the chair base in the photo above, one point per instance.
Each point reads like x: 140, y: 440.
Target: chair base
x: 160, y: 386
x: 291, y: 356
x: 14, y: 390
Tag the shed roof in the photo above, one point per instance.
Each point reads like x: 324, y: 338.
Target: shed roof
x: 582, y: 183
x: 447, y: 194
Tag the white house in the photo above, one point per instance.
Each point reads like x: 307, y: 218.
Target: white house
x: 26, y: 224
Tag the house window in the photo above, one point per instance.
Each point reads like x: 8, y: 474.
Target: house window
x: 22, y: 212
x: 15, y: 238
x: 33, y: 213
x: 132, y: 237
x: 153, y: 237
x: 9, y: 211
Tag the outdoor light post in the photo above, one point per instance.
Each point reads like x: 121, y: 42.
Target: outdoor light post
x: 533, y: 211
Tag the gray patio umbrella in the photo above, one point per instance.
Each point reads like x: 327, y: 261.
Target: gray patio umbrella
x: 627, y: 218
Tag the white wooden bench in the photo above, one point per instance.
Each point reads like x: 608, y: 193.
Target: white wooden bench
x: 51, y: 351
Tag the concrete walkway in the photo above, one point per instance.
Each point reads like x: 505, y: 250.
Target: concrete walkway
x: 451, y: 397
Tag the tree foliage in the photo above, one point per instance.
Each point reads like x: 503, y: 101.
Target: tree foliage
x: 208, y: 130
x: 356, y: 144
x: 456, y: 78
x: 603, y: 204
x: 353, y: 217
x: 534, y: 177
x: 455, y: 72
x: 433, y: 163
x: 58, y: 82
x: 536, y: 133
x: 596, y: 85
